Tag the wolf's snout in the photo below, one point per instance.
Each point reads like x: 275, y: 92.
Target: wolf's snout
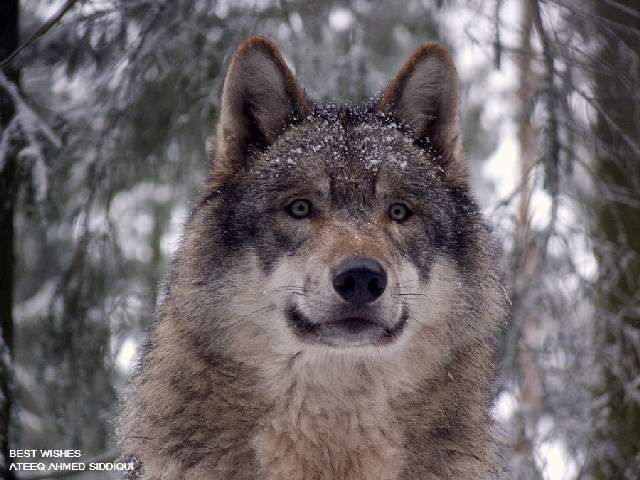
x: 359, y: 280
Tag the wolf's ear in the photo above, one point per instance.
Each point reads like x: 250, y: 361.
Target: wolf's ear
x: 258, y: 96
x: 424, y: 96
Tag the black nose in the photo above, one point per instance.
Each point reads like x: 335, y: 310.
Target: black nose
x: 360, y: 280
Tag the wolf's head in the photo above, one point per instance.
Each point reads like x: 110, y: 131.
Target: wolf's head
x: 337, y: 230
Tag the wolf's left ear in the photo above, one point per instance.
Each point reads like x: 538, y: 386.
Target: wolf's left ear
x: 259, y: 94
x: 424, y: 96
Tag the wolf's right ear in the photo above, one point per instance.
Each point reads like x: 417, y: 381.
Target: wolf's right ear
x: 259, y: 94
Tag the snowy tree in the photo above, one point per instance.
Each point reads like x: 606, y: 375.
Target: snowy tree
x: 106, y: 112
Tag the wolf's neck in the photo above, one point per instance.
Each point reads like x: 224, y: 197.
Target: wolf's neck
x: 339, y: 430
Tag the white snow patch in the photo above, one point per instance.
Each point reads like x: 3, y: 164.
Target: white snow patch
x: 340, y: 19
x: 504, y: 407
x: 127, y: 356
x: 556, y: 461
x: 502, y: 167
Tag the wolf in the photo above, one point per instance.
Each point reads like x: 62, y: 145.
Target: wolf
x: 333, y: 307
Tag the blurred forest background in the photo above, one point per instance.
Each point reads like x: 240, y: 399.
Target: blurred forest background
x: 107, y: 109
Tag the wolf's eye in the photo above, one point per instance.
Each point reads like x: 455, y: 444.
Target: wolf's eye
x: 299, y: 208
x: 399, y: 212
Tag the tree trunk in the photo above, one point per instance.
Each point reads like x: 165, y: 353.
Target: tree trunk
x: 616, y: 231
x: 9, y: 37
x: 529, y: 388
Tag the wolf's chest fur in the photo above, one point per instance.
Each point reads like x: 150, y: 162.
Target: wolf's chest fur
x: 315, y: 433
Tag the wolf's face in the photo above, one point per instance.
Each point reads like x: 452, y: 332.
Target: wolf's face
x: 346, y: 216
x: 336, y: 228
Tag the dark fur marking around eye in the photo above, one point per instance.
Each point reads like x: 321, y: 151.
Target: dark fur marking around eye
x: 244, y: 222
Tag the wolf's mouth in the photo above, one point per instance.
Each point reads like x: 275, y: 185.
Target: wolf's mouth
x: 345, y: 332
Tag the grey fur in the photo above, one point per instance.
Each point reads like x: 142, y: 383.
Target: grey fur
x: 227, y: 389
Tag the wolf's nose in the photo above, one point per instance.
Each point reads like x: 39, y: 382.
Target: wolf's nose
x: 359, y: 280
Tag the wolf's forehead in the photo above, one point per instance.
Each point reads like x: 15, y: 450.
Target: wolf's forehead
x: 342, y: 151
x: 377, y: 146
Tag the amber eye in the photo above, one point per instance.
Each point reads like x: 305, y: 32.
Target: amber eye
x: 399, y: 212
x: 299, y: 208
